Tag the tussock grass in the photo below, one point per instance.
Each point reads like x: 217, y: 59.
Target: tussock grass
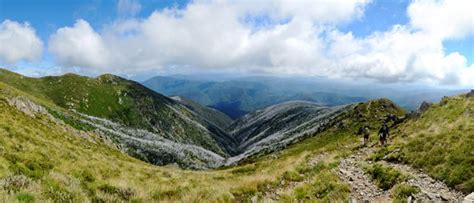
x: 401, y: 192
x: 384, y: 176
x: 440, y: 142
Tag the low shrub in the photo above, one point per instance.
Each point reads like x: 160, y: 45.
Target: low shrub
x: 24, y: 197
x: 293, y: 176
x: 54, y: 191
x: 384, y: 176
x: 325, y: 186
x: 401, y: 192
x: 123, y: 193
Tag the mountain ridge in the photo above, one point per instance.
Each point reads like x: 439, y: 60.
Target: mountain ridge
x: 59, y: 159
x: 238, y: 97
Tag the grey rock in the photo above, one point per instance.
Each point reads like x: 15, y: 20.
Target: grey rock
x: 470, y: 94
x: 469, y: 198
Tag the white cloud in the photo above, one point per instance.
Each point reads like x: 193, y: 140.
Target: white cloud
x: 412, y: 52
x: 79, y: 46
x: 18, y: 42
x: 206, y: 34
x: 128, y: 7
x: 445, y: 19
x: 302, y: 38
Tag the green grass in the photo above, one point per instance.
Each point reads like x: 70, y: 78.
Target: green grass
x: 439, y: 142
x: 384, y: 176
x: 55, y: 164
x: 25, y: 197
x: 59, y: 165
x: 324, y: 186
x: 116, y: 99
x: 401, y: 192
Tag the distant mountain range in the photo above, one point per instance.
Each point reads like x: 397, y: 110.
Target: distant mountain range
x: 237, y: 96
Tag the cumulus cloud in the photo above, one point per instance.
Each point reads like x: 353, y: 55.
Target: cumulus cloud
x: 280, y: 37
x: 79, y: 46
x: 445, y: 19
x: 207, y: 34
x: 412, y: 52
x: 18, y: 41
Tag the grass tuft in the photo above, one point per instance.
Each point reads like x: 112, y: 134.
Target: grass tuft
x: 384, y: 176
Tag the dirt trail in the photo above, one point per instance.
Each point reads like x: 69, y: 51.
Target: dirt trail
x: 364, y: 189
x: 431, y: 189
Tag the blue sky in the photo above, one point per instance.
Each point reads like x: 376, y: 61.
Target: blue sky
x: 349, y: 29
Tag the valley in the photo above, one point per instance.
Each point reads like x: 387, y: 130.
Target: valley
x: 101, y: 139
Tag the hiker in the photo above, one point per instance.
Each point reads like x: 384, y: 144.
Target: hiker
x: 384, y: 133
x: 364, y: 131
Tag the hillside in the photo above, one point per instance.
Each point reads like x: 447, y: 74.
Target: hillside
x: 212, y: 115
x: 44, y: 158
x: 146, y: 124
x: 278, y: 126
x: 295, y: 151
x: 439, y: 142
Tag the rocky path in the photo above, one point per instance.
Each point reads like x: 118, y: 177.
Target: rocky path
x: 431, y: 189
x: 364, y: 189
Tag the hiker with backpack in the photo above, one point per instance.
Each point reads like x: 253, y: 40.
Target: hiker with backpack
x: 365, y: 132
x: 384, y: 132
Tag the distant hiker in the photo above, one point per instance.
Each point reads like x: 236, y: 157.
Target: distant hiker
x: 384, y: 132
x: 364, y: 131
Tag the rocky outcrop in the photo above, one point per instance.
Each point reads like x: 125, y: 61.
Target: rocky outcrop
x: 27, y: 106
x: 470, y: 94
x: 469, y: 198
x: 424, y: 106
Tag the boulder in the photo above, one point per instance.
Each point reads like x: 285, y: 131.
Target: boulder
x: 470, y: 94
x: 424, y: 106
x: 469, y: 198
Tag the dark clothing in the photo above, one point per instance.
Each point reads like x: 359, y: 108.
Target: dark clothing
x: 384, y: 133
x: 384, y: 130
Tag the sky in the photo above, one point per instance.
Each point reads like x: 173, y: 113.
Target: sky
x: 385, y: 41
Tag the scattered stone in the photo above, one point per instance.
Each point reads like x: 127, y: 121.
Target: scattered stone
x: 254, y: 199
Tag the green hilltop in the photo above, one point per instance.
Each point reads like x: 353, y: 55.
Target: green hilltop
x: 122, y: 101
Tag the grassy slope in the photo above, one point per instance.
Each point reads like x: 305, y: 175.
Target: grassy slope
x: 212, y: 115
x: 44, y: 160
x: 116, y: 99
x: 440, y: 142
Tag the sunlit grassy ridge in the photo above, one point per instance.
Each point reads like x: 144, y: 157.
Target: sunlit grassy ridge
x: 440, y: 142
x: 45, y: 160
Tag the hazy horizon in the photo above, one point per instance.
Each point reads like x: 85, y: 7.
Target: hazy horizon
x: 423, y: 43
